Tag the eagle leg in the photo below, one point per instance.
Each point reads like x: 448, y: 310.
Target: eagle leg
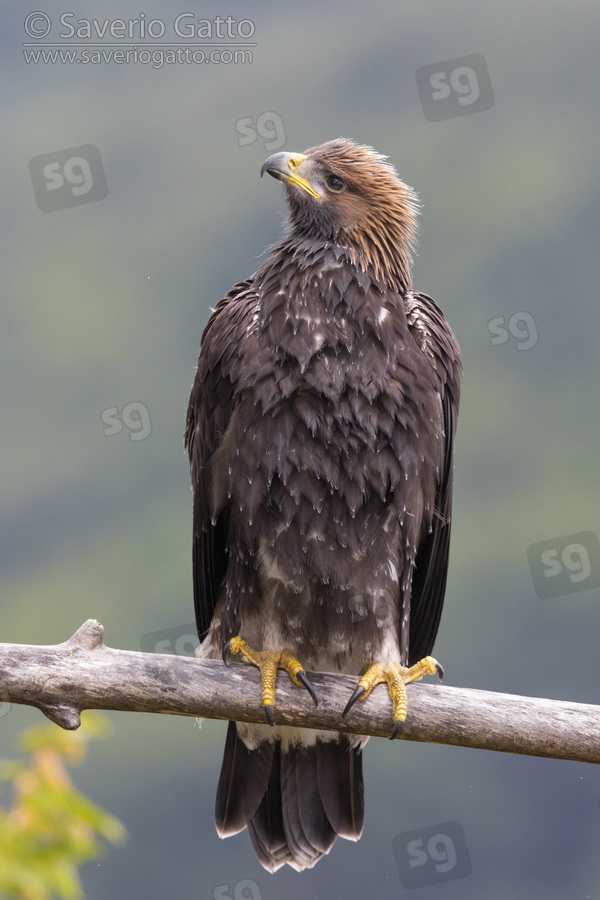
x: 269, y: 661
x: 396, y: 677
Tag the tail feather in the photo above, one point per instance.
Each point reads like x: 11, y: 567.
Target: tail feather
x: 339, y: 777
x: 244, y: 778
x: 307, y: 828
x: 306, y: 801
x: 294, y: 798
x: 265, y: 826
x: 299, y: 846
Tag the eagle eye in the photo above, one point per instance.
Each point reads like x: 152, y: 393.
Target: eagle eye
x: 335, y: 183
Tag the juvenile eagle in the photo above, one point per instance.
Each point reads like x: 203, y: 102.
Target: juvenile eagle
x: 320, y: 432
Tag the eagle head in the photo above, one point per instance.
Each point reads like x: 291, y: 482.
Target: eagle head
x: 351, y: 195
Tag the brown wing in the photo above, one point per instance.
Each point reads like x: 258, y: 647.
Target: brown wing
x: 212, y: 401
x: 435, y: 337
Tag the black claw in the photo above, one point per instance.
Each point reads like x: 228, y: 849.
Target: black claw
x: 440, y: 672
x: 301, y: 676
x: 269, y: 714
x: 398, y: 729
x: 226, y: 650
x: 358, y: 693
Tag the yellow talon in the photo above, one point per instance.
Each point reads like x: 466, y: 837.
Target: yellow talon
x: 289, y: 662
x: 269, y: 661
x: 396, y: 677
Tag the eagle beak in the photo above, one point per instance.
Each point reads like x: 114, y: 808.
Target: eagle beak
x: 283, y: 166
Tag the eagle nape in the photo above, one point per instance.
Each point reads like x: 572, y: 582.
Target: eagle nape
x: 268, y: 662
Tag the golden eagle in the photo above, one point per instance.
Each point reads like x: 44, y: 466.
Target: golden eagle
x: 320, y: 432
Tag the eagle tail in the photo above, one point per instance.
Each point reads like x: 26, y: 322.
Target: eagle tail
x: 295, y: 799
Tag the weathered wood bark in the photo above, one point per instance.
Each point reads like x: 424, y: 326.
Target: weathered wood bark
x: 82, y: 673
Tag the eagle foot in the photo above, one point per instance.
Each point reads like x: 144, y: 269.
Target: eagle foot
x: 396, y: 677
x: 269, y: 661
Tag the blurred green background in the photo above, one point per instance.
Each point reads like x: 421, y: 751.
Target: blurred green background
x: 103, y: 305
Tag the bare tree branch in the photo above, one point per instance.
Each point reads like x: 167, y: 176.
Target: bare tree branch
x: 82, y: 673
